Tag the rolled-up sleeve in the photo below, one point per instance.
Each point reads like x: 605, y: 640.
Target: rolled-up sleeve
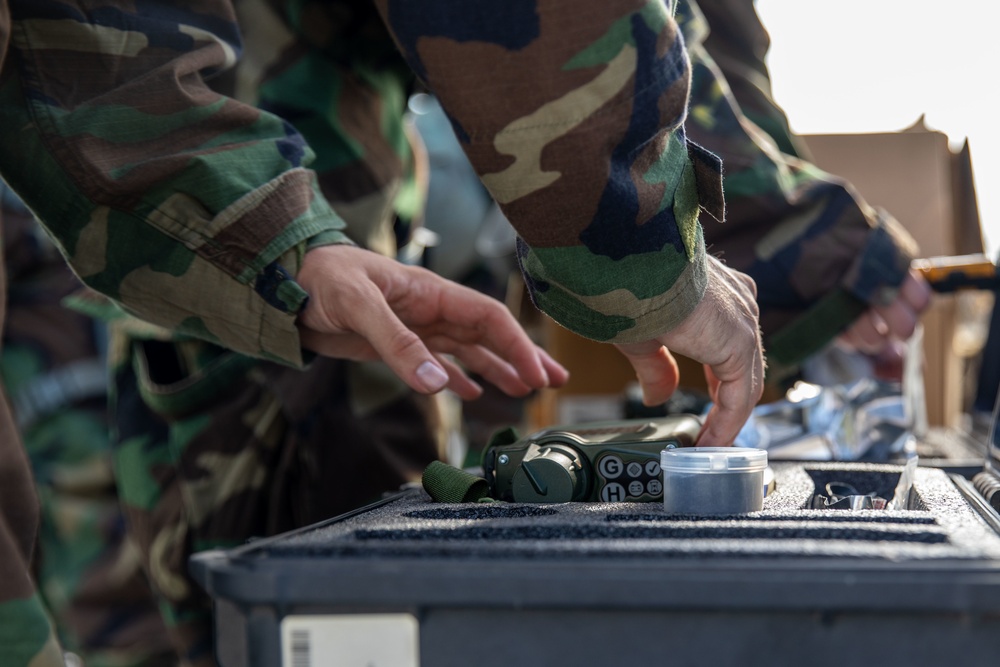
x: 189, y: 209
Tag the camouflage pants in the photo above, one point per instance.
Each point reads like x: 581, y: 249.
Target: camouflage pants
x: 25, y: 634
x: 240, y: 449
x: 89, y: 574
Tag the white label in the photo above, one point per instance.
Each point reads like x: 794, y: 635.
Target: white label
x: 356, y: 640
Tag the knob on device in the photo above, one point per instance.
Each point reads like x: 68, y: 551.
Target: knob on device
x: 552, y: 474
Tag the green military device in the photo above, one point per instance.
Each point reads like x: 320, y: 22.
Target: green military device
x: 606, y: 461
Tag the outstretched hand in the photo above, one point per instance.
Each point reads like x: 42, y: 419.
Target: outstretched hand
x: 363, y: 306
x: 723, y: 334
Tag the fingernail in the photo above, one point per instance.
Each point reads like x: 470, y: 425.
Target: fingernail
x: 432, y: 376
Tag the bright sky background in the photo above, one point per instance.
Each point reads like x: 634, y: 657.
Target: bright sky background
x: 877, y: 65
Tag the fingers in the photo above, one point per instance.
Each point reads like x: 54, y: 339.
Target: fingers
x: 734, y: 362
x: 400, y: 348
x: 347, y: 304
x: 878, y: 326
x: 733, y: 401
x: 417, y: 367
x: 900, y: 320
x: 488, y: 323
x: 655, y: 368
x: 916, y: 291
x: 558, y: 375
x: 460, y: 383
x: 365, y: 306
x: 481, y: 333
x: 723, y: 334
x: 484, y: 363
x: 902, y: 315
x: 869, y: 333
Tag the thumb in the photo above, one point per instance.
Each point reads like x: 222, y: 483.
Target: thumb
x: 655, y: 368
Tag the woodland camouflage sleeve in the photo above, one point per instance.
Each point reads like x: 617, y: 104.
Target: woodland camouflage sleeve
x: 572, y: 113
x: 189, y: 209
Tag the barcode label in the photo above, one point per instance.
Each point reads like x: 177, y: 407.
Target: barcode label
x: 350, y: 640
x: 301, y: 648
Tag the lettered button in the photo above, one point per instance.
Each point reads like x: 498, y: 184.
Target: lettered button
x: 613, y: 493
x: 610, y: 467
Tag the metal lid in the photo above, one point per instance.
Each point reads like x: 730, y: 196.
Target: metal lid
x: 713, y: 459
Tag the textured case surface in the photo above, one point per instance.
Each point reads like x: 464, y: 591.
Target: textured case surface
x: 626, y: 583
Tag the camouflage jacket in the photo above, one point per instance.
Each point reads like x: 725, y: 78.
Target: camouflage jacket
x: 156, y: 185
x: 189, y: 209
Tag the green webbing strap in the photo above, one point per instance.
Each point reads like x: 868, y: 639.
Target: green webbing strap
x: 811, y: 331
x: 448, y: 484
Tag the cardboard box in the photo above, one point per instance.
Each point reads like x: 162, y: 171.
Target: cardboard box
x: 916, y: 176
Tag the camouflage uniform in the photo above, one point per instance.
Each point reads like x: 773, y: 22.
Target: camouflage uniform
x: 88, y: 573
x: 131, y: 197
x: 156, y: 186
x: 202, y: 431
x: 819, y: 254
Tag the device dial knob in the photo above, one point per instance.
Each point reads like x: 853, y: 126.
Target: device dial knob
x: 553, y: 476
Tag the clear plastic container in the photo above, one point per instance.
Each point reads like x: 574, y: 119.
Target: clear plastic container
x: 713, y: 480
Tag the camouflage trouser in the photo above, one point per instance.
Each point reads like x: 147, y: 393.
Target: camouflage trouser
x: 26, y: 636
x: 89, y: 574
x: 239, y: 449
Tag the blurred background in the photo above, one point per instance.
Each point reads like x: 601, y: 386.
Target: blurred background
x: 877, y: 65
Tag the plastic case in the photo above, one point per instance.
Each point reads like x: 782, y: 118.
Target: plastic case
x: 407, y: 582
x: 713, y: 480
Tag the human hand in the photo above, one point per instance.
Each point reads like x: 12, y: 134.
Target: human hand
x: 876, y: 330
x: 723, y: 334
x: 364, y: 306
